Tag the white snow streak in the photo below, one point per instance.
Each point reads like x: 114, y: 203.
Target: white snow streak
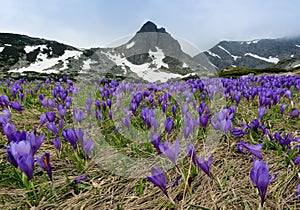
x: 130, y: 45
x: 253, y: 41
x: 297, y: 45
x: 234, y: 56
x: 185, y: 65
x: 43, y: 64
x: 29, y: 49
x: 213, y: 54
x: 1, y: 49
x: 297, y: 65
x: 269, y: 60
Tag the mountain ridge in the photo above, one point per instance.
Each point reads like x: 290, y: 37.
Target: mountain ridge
x: 152, y: 54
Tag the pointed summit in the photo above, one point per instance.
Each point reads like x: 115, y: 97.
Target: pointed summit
x: 151, y: 27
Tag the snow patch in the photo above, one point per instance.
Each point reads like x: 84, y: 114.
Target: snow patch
x: 292, y: 56
x: 144, y: 71
x: 87, y: 64
x: 158, y: 58
x: 8, y: 45
x: 1, y: 49
x: 233, y: 56
x: 29, y: 49
x: 297, y: 45
x: 213, y: 54
x: 43, y: 64
x: 185, y: 65
x: 130, y: 45
x: 253, y: 41
x: 69, y: 54
x: 296, y: 66
x: 269, y: 60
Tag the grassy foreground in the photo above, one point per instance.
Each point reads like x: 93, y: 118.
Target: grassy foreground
x: 113, y: 116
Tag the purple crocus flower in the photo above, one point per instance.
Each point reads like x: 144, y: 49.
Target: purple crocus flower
x: 70, y: 136
x: 282, y: 108
x: 158, y: 178
x: 174, y: 110
x: 261, y: 112
x: 62, y: 112
x: 297, y: 161
x: 44, y: 163
x: 184, y: 109
x: 51, y: 116
x: 79, y: 134
x: 26, y: 164
x: 35, y: 141
x: 203, y: 120
x: 205, y: 165
x: 57, y: 143
x: 261, y: 178
x: 148, y: 116
x: 61, y: 124
x: 88, y: 105
x: 10, y: 157
x: 238, y: 133
x: 6, y: 113
x: 171, y: 151
x: 78, y: 115
x: 284, y: 141
x: 43, y: 119
x: 298, y: 191
x: 17, y: 106
x: 295, y: 113
x: 109, y: 102
x: 104, y: 106
x: 52, y: 127
x: 155, y: 140
x: 244, y: 147
x: 168, y: 124
x: 8, y: 129
x: 133, y: 107
x: 190, y: 148
x: 110, y: 114
x: 87, y: 145
x: 98, y: 115
x: 22, y: 155
x: 288, y: 94
x: 126, y: 122
x: 4, y: 101
x: 51, y: 103
x: 98, y: 104
x: 79, y: 179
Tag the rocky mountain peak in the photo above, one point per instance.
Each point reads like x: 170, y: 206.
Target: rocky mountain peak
x: 151, y: 27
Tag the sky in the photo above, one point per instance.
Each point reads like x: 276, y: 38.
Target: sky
x: 201, y: 23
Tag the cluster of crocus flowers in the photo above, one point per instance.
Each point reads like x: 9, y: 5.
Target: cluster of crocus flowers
x: 223, y: 120
x: 22, y: 149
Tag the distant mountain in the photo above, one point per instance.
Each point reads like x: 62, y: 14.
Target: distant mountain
x: 21, y: 54
x: 152, y: 54
x: 259, y: 53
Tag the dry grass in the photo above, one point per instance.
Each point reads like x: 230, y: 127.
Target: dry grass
x: 105, y: 190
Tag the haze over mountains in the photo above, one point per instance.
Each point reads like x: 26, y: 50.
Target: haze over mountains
x: 151, y: 55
